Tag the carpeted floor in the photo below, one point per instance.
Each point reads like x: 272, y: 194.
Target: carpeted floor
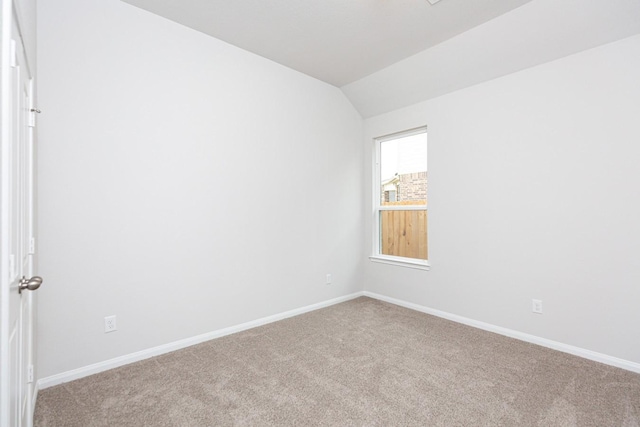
x: 359, y: 363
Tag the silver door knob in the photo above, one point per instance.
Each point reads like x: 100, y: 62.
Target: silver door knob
x: 30, y: 284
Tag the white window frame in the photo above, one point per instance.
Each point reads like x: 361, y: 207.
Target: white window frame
x: 377, y: 207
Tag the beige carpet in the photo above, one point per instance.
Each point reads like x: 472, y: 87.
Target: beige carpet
x: 360, y: 363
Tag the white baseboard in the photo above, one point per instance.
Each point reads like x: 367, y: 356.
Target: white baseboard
x: 555, y: 345
x: 177, y: 345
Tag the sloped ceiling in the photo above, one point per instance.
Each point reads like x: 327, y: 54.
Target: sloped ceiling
x: 388, y: 54
x: 336, y: 41
x: 538, y: 32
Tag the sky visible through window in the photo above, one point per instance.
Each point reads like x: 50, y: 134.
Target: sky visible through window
x: 403, y: 155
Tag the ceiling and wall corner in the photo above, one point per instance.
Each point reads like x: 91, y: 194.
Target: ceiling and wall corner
x: 388, y: 55
x: 538, y: 32
x: 335, y: 41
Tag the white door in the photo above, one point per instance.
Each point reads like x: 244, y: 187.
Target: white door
x: 17, y: 220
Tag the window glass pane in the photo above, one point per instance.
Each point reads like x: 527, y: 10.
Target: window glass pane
x: 403, y: 171
x: 402, y: 190
x: 404, y: 233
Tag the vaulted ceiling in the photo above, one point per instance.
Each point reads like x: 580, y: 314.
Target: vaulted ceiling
x: 388, y: 54
x: 336, y: 41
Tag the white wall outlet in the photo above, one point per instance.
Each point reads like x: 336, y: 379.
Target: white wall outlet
x: 110, y: 324
x: 536, y: 306
x: 329, y: 279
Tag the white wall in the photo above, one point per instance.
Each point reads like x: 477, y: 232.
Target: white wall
x: 185, y: 185
x: 533, y: 193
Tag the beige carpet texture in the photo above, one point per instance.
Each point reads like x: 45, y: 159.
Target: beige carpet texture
x: 360, y: 363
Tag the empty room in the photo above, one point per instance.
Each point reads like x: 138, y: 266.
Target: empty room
x: 291, y: 213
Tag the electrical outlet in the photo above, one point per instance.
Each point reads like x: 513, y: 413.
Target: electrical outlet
x: 110, y: 324
x: 329, y: 279
x: 536, y: 306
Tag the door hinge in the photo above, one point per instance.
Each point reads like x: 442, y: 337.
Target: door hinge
x: 32, y: 246
x: 30, y: 374
x: 14, y: 56
x: 32, y: 119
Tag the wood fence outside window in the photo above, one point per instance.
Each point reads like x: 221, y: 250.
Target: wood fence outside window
x: 404, y: 233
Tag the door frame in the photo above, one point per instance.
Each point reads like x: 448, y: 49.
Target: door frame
x: 12, y: 12
x: 6, y: 17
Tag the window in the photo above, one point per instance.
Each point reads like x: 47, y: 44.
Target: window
x: 400, y: 189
